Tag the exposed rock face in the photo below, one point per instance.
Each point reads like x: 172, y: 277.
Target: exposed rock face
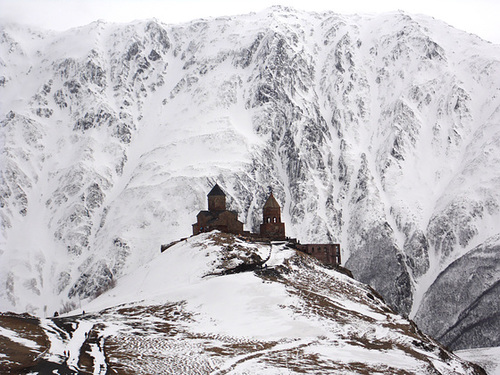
x: 466, y: 293
x: 380, y: 133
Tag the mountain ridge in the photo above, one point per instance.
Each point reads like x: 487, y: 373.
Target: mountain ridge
x: 355, y: 121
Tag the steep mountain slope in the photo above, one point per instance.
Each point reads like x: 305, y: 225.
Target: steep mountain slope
x: 378, y: 132
x: 190, y: 311
x: 474, y: 282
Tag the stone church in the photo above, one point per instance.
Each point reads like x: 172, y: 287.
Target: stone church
x: 217, y: 217
x: 272, y: 229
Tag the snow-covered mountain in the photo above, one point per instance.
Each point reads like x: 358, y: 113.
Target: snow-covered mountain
x: 378, y: 132
x: 189, y: 311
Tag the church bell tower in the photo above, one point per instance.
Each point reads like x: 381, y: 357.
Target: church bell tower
x: 216, y: 199
x: 272, y: 227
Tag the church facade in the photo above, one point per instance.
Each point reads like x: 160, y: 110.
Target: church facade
x: 328, y: 254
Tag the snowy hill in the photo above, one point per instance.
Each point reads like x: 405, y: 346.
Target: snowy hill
x: 378, y: 132
x: 188, y: 312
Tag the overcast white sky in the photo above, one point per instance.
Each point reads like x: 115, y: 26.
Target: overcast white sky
x: 480, y: 17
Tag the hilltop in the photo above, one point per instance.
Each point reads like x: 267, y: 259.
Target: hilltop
x: 188, y: 312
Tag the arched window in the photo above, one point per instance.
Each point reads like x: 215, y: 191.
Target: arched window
x: 274, y: 220
x: 268, y: 219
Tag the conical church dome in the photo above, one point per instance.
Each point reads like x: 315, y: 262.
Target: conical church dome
x: 216, y: 190
x: 271, y: 202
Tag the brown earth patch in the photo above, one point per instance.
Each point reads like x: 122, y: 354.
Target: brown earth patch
x: 17, y: 355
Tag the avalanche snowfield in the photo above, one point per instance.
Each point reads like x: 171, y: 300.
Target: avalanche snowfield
x: 219, y: 304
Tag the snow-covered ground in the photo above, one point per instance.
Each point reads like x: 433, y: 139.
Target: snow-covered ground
x: 192, y: 310
x: 487, y: 358
x: 185, y: 311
